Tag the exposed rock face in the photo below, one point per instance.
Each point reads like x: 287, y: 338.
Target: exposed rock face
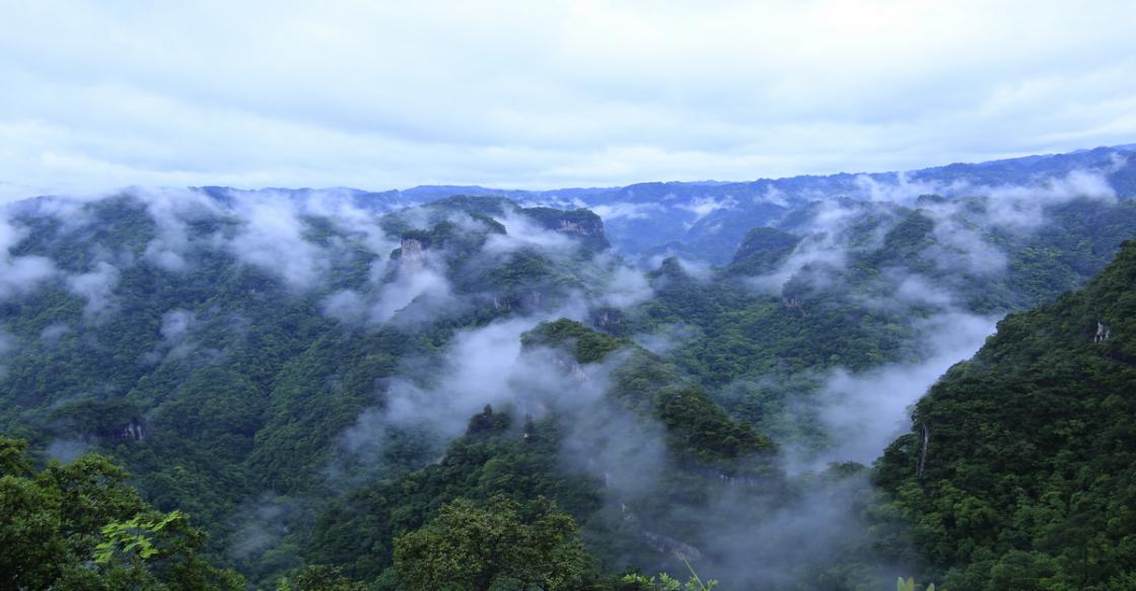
x: 526, y: 300
x: 571, y: 368
x: 568, y: 227
x: 581, y: 223
x: 923, y: 452
x: 1103, y: 333
x: 132, y: 431
x: 413, y: 254
x: 608, y: 319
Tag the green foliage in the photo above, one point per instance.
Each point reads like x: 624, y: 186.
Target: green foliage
x: 319, y: 578
x: 645, y: 383
x: 587, y: 346
x: 1027, y: 478
x: 663, y: 582
x: 501, y: 544
x: 734, y: 331
x: 494, y: 460
x: 135, y: 538
x: 761, y: 251
x: 1029, y: 442
x: 696, y: 423
x: 13, y: 457
x: 29, y: 532
x: 763, y: 353
x: 81, y: 527
x: 909, y: 585
x: 491, y: 461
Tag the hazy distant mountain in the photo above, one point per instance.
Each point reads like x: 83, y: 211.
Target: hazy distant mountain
x: 708, y: 219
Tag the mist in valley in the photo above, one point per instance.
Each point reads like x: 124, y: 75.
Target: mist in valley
x: 767, y: 521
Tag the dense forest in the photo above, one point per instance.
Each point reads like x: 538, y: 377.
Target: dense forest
x: 1018, y: 472
x: 221, y: 389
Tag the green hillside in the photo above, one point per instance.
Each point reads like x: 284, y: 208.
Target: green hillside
x: 1018, y: 472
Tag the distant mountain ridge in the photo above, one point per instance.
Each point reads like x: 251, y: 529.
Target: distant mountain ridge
x: 709, y: 219
x: 1043, y: 163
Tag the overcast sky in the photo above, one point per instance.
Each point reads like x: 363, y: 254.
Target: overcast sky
x: 542, y: 94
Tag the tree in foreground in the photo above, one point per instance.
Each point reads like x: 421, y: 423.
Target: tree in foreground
x: 500, y: 544
x: 81, y: 527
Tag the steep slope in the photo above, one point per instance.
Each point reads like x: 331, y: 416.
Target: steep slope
x: 762, y: 250
x: 844, y: 287
x: 1018, y: 472
x: 220, y: 344
x: 630, y: 461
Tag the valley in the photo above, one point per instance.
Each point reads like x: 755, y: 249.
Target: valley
x: 332, y: 388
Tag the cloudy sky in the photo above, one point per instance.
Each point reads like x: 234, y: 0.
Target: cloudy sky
x: 380, y: 94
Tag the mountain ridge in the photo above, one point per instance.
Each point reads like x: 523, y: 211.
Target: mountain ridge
x: 475, y: 189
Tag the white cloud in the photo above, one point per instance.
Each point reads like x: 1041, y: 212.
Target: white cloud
x: 626, y: 210
x: 97, y: 287
x: 385, y: 94
x: 1024, y: 207
x: 425, y: 286
x: 704, y: 206
x: 175, y: 324
x: 522, y: 232
x: 625, y: 287
x: 418, y: 291
x: 272, y: 239
x: 697, y: 270
x: 903, y: 190
x: 53, y: 332
x: 864, y: 411
x: 19, y: 274
x: 823, y: 251
x: 170, y: 210
x: 175, y: 329
x: 347, y: 306
x: 480, y: 366
x: 916, y: 290
x: 67, y: 450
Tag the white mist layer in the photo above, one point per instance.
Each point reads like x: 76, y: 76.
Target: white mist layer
x: 863, y: 412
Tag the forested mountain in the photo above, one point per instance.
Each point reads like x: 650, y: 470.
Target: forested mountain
x: 357, y: 389
x: 1018, y: 472
x: 249, y: 358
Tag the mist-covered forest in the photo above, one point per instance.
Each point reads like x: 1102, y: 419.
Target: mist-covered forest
x: 921, y: 375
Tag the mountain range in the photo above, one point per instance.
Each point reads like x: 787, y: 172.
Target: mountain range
x: 707, y: 220
x: 460, y: 387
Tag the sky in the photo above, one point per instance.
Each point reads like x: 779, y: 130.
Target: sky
x: 384, y: 94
